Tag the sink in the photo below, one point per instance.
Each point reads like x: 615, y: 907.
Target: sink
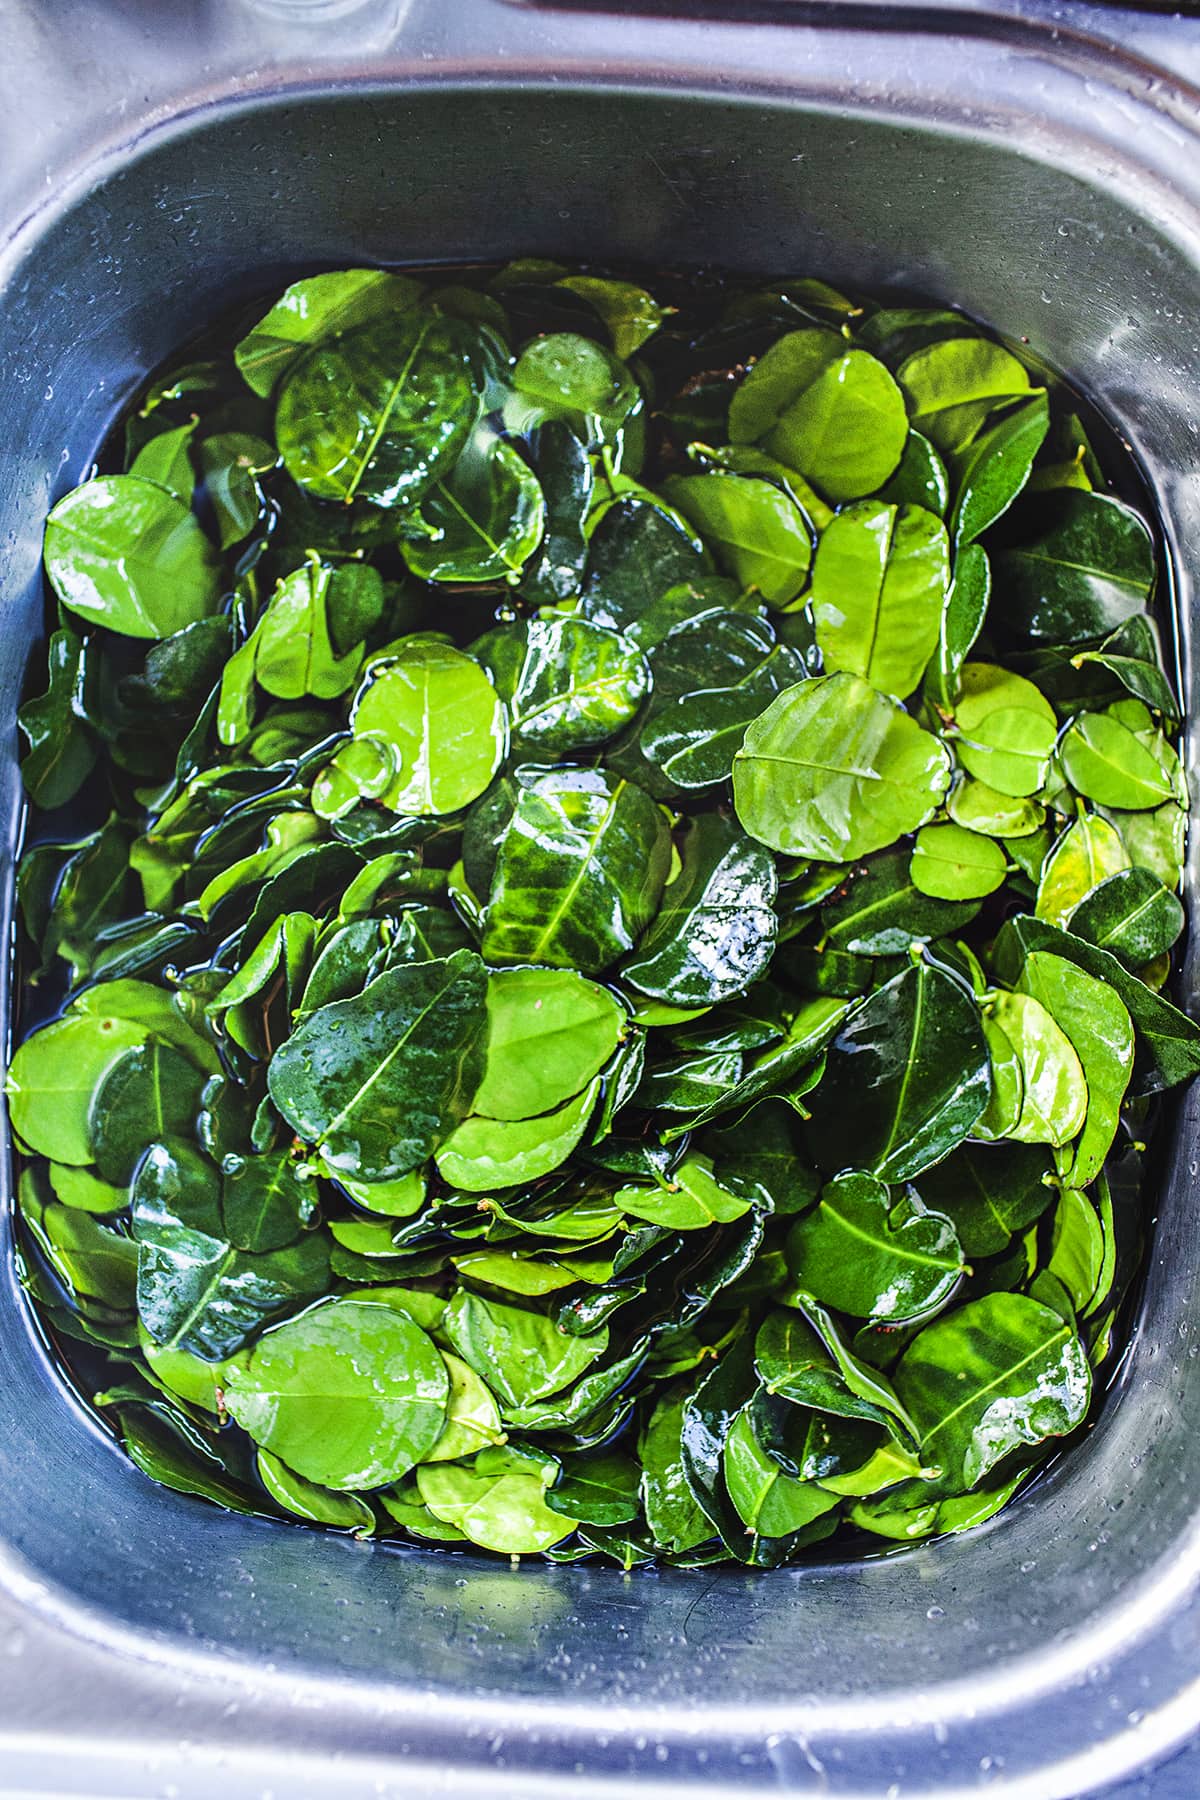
x: 1040, y: 168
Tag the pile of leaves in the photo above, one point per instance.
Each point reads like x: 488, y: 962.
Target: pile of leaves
x: 604, y: 966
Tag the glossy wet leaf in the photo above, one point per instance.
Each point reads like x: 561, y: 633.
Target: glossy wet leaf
x: 691, y: 1200
x: 999, y: 1373
x: 1082, y: 565
x: 906, y: 1077
x: 349, y: 1394
x: 1131, y: 914
x: 1101, y: 1033
x: 637, y: 554
x: 580, y: 870
x: 1054, y: 1092
x: 993, y: 469
x: 868, y: 1253
x: 520, y: 1354
x: 436, y: 717
x: 715, y: 929
x: 1086, y: 854
x: 878, y: 592
x: 380, y: 413
x: 309, y: 1500
x: 953, y: 383
x: 498, y: 1502
x: 54, y: 1076
x: 961, y: 622
x: 1007, y: 730
x: 124, y: 553
x: 568, y: 684
x: 833, y: 769
x: 482, y: 523
x: 378, y: 1081
x: 60, y: 751
x: 989, y: 1192
x: 879, y: 911
x: 1167, y: 1038
x: 770, y: 1502
x: 314, y: 311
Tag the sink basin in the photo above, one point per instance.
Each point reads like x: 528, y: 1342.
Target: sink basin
x: 1047, y: 179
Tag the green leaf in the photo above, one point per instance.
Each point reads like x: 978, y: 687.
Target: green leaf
x: 951, y: 863
x: 55, y: 1074
x: 1167, y: 1038
x: 991, y: 471
x: 124, y: 553
x: 879, y: 911
x: 1082, y: 565
x: 630, y: 313
x: 1055, y: 1095
x: 1101, y: 1033
x: 878, y: 592
x: 379, y: 1081
x: 266, y: 1201
x: 601, y: 1489
x: 996, y: 1374
x: 833, y: 770
x: 715, y: 931
x: 381, y: 413
x: 482, y: 523
x: 520, y: 1354
x: 433, y: 712
x: 1007, y: 729
x: 831, y: 412
x: 316, y: 311
x: 349, y: 1394
x: 961, y: 622
x: 771, y: 1503
x: 952, y: 384
x: 989, y: 1192
x: 60, y: 750
x: 498, y: 1502
x: 1103, y: 759
x: 671, y: 1514
x: 865, y: 1254
x: 690, y: 1200
x: 549, y: 1032
x: 637, y: 555
x: 164, y: 459
x: 580, y: 870
x: 921, y: 478
x: 149, y: 1094
x: 1088, y: 851
x: 563, y: 375
x: 195, y: 1292
x: 482, y: 1154
x: 1076, y: 1247
x: 472, y: 1416
x: 906, y: 1077
x: 568, y: 684
x: 309, y: 1500
x: 758, y: 533
x: 231, y: 463
x: 1131, y: 914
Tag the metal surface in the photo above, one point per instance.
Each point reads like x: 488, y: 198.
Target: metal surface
x: 1022, y: 167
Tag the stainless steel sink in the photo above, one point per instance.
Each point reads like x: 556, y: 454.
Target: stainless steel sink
x: 1041, y: 167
